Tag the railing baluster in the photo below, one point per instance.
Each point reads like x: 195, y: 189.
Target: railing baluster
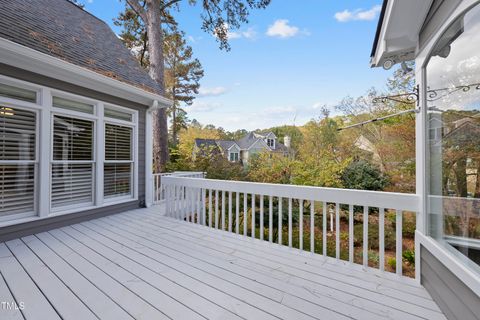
x: 230, y: 211
x: 204, y: 207
x: 261, y: 217
x: 216, y: 209
x: 210, y: 208
x: 350, y: 234
x: 312, y: 226
x: 223, y: 210
x: 245, y: 213
x: 270, y: 219
x: 399, y: 242
x: 381, y: 222
x: 237, y: 212
x: 290, y: 222
x: 188, y: 204
x: 300, y: 231
x: 365, y: 236
x: 253, y: 216
x: 167, y: 201
x: 324, y: 231
x: 280, y: 219
x: 198, y: 198
x: 337, y: 230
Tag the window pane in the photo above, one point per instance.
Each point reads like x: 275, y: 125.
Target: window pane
x: 73, y: 139
x: 116, y: 114
x: 72, y: 105
x: 17, y: 93
x: 72, y: 184
x: 118, y: 142
x: 453, y: 99
x: 16, y: 189
x: 118, y: 179
x: 17, y: 134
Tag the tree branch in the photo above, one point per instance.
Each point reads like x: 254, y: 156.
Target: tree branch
x: 135, y: 5
x: 168, y: 4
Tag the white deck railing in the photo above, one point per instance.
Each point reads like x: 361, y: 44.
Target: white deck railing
x: 158, y: 187
x: 235, y: 207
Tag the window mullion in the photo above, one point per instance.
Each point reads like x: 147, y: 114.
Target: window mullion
x: 100, y: 155
x: 45, y: 140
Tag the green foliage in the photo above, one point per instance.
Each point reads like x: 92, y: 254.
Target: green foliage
x: 409, y: 256
x: 392, y: 262
x: 373, y: 236
x: 363, y: 175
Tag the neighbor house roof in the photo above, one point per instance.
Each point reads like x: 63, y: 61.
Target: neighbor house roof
x: 244, y: 143
x: 63, y: 30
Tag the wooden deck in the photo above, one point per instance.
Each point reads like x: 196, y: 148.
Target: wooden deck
x: 142, y: 265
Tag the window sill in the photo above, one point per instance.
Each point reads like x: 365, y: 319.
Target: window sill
x: 65, y: 212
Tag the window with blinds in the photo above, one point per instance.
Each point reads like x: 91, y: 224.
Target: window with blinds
x: 118, y: 161
x: 73, y: 162
x: 17, y: 160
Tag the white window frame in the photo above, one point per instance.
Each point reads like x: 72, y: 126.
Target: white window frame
x: 233, y: 153
x: 81, y: 116
x: 27, y: 106
x: 133, y: 161
x: 44, y: 148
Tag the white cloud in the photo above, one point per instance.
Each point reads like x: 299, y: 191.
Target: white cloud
x: 282, y: 29
x: 203, y: 106
x: 209, y: 92
x: 250, y: 34
x: 358, y: 14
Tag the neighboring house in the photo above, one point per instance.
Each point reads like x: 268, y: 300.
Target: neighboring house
x: 242, y: 150
x: 75, y: 117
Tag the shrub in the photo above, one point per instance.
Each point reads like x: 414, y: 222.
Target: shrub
x: 409, y: 256
x: 392, y: 262
x: 363, y: 175
x: 373, y: 236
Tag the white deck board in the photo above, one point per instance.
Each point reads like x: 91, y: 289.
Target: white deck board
x: 142, y: 265
x: 294, y: 271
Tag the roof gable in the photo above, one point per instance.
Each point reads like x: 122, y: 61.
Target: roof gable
x: 62, y: 30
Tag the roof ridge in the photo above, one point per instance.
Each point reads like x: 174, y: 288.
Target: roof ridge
x: 88, y: 12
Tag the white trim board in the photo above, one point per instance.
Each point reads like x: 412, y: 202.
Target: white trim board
x: 22, y: 57
x: 450, y: 261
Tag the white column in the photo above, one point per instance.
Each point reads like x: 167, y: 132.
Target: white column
x: 45, y: 153
x: 99, y: 155
x: 148, y: 159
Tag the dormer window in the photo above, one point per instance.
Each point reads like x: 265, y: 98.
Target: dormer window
x: 271, y: 143
x: 234, y: 156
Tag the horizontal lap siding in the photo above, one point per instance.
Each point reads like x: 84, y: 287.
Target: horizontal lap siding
x: 12, y: 232
x: 453, y: 297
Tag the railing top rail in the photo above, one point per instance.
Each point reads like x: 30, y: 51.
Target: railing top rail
x: 375, y: 199
x: 180, y: 173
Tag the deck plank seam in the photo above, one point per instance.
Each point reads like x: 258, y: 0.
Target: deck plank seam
x: 213, y: 274
x: 31, y: 278
x: 408, y: 302
x: 186, y: 288
x: 83, y: 276
x: 147, y: 302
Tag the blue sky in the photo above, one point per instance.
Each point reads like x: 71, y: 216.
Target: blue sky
x: 292, y: 58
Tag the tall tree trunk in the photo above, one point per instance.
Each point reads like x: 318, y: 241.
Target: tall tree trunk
x: 155, y: 50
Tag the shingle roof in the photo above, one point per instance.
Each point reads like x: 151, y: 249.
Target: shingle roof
x: 202, y: 143
x: 63, y: 30
x: 225, y: 144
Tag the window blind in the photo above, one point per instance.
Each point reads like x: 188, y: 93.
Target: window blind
x: 118, y: 142
x: 17, y: 160
x: 117, y: 179
x: 72, y: 184
x: 73, y: 162
x: 118, y: 161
